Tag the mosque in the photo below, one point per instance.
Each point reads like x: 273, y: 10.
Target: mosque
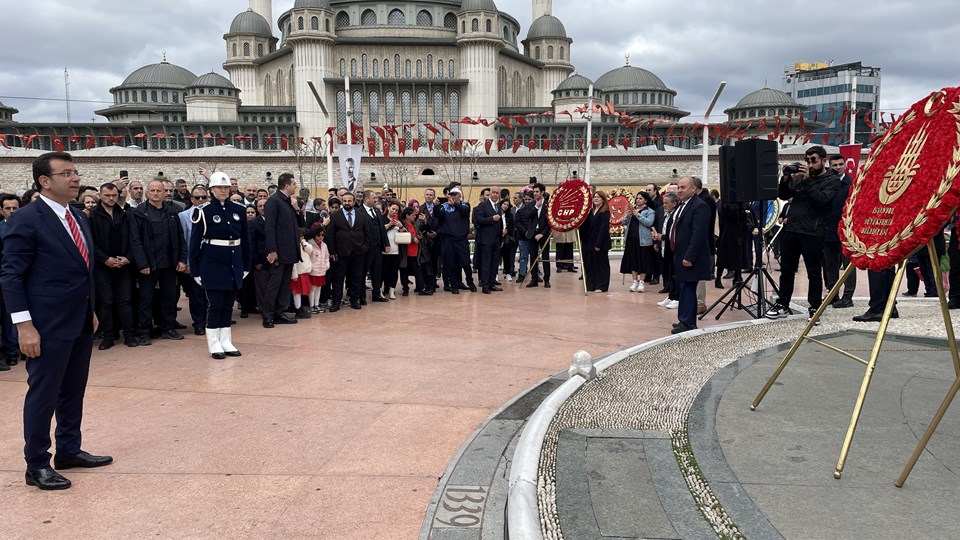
x: 429, y: 69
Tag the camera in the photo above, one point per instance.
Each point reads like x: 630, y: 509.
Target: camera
x: 792, y: 169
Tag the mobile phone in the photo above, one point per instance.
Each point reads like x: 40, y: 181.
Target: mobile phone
x: 123, y: 174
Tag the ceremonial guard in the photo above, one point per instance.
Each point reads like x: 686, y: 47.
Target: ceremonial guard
x: 220, y: 258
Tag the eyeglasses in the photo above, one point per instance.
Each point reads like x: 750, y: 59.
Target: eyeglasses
x: 199, y: 197
x: 66, y: 174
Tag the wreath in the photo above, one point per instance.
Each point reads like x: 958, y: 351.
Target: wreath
x: 568, y: 206
x: 620, y: 201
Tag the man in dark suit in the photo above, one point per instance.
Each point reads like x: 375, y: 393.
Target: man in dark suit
x: 110, y: 226
x: 48, y: 245
x: 283, y: 250
x: 258, y: 246
x: 690, y: 238
x: 539, y: 232
x: 488, y: 226
x: 377, y: 245
x: 347, y: 238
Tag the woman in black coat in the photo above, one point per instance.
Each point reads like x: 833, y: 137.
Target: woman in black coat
x: 595, y: 244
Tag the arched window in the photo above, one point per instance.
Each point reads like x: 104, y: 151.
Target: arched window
x: 424, y: 18
x: 259, y: 50
x: 389, y: 107
x: 515, y: 95
x: 489, y: 26
x: 164, y: 96
x: 299, y: 23
x: 781, y: 112
x: 536, y: 53
x: 368, y: 18
x: 475, y: 25
x: 153, y: 96
x: 501, y: 87
x: 422, y: 113
x: 246, y: 49
x: 376, y: 68
x: 643, y: 98
x: 314, y: 23
x: 616, y: 99
x: 341, y: 113
x: 363, y: 65
x: 396, y: 18
x: 659, y: 99
x: 561, y: 54
x: 176, y: 97
x: 439, y: 69
x: 326, y: 24
x: 281, y: 98
x: 633, y: 98
x: 550, y: 52
x: 358, y: 108
x: 455, y: 112
x: 343, y: 19
x: 419, y: 69
x: 450, y: 21
x: 374, y: 109
x: 407, y: 69
x: 267, y: 91
x: 451, y: 72
x: 396, y: 66
x: 234, y: 49
x: 291, y: 88
x: 343, y: 67
x: 438, y: 106
x: 134, y: 96
x: 531, y: 92
x: 353, y: 67
x: 429, y: 66
x: 506, y: 33
x: 463, y: 27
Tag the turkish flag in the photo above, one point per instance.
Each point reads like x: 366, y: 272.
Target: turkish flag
x: 445, y: 145
x: 416, y: 145
x: 91, y: 141
x: 372, y: 146
x: 487, y: 144
x: 501, y: 143
x: 851, y: 154
x: 516, y: 144
x: 532, y: 144
x: 402, y: 146
x: 284, y: 143
x: 57, y: 144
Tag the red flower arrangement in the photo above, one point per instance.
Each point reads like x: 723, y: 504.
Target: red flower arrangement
x: 620, y: 200
x: 568, y: 206
x: 905, y: 193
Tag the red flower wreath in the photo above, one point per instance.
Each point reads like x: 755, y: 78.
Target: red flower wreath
x: 620, y: 200
x: 906, y: 192
x: 568, y: 206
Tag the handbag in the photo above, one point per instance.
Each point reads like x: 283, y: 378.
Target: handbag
x: 403, y: 238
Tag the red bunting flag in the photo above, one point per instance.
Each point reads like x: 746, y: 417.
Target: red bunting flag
x: 140, y: 136
x: 416, y: 145
x: 221, y: 140
x: 3, y: 141
x: 520, y: 120
x: 505, y: 121
x: 851, y: 155
x: 73, y: 138
x: 458, y: 145
x: 372, y: 146
x: 868, y: 120
x: 402, y: 146
x: 545, y: 144
x: 487, y: 145
x: 445, y: 145
x: 91, y: 141
x: 284, y: 143
x: 57, y: 143
x: 430, y: 144
x: 432, y: 129
x: 532, y: 144
x: 268, y: 140
x: 501, y: 144
x: 444, y: 126
x: 516, y: 145
x: 626, y: 143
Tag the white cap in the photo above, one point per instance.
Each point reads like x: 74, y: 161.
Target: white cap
x: 454, y: 191
x: 219, y: 179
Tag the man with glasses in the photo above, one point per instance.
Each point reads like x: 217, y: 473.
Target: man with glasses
x: 194, y: 291
x: 812, y: 189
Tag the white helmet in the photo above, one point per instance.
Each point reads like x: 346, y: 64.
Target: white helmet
x: 219, y: 179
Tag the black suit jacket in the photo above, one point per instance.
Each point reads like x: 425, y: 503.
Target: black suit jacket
x: 280, y: 228
x: 486, y: 230
x: 345, y: 241
x: 692, y: 241
x: 258, y: 241
x: 376, y: 232
x: 542, y: 226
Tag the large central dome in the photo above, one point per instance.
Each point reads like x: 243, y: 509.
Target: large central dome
x: 161, y: 75
x: 630, y: 78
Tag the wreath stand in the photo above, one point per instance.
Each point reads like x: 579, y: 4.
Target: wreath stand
x: 872, y: 361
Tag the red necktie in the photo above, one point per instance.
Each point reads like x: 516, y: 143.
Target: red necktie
x: 77, y: 238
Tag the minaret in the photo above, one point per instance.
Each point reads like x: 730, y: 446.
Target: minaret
x: 478, y: 64
x: 540, y: 8
x: 264, y: 8
x: 313, y: 62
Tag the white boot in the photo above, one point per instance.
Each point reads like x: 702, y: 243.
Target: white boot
x: 213, y: 343
x: 392, y: 293
x: 634, y: 285
x: 226, y: 343
x: 639, y: 286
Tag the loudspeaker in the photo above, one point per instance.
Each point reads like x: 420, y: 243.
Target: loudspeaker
x: 754, y: 174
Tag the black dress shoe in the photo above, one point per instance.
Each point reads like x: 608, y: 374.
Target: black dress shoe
x: 486, y: 291
x: 405, y: 293
x: 334, y: 309
x: 46, y: 479
x: 446, y: 288
x: 842, y: 303
x: 533, y: 284
x: 682, y: 328
x: 171, y: 334
x: 12, y: 360
x: 268, y: 323
x: 520, y: 279
x: 379, y: 299
x: 178, y: 326
x: 952, y: 304
x: 233, y: 354
x: 496, y: 289
x: 872, y: 316
x: 200, y: 331
x: 130, y: 341
x: 425, y: 293
x: 84, y: 460
x: 473, y: 288
x: 719, y: 284
x: 218, y: 355
x: 356, y: 305
x: 106, y: 344
x: 143, y: 341
x: 302, y: 315
x: 455, y: 291
x: 284, y: 320
x: 663, y: 291
x: 363, y: 301
x: 4, y: 367
x: 546, y: 284
x: 654, y: 281
x: 244, y: 315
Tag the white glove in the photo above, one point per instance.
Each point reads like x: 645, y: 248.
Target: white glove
x: 245, y: 274
x: 197, y: 279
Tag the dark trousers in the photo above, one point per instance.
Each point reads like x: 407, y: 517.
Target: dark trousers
x: 348, y: 269
x: 489, y: 263
x: 792, y: 247
x: 435, y: 267
x: 276, y: 296
x: 564, y: 255
x: 880, y: 284
x: 165, y: 298
x: 543, y: 245
x: 669, y: 283
x: 373, y: 265
x: 391, y: 270
x: 56, y: 382
x: 687, y: 311
x: 11, y: 341
x: 414, y: 269
x: 833, y: 261
x: 596, y: 270
x: 508, y: 253
x: 248, y: 295
x: 114, y: 289
x: 197, y: 303
x: 456, y: 262
x: 219, y: 307
x: 260, y: 280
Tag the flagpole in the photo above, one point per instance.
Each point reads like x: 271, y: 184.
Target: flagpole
x: 706, y: 131
x: 329, y: 153
x: 589, y: 144
x: 853, y: 111
x: 346, y: 83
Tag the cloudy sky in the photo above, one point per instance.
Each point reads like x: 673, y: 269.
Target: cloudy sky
x: 692, y: 45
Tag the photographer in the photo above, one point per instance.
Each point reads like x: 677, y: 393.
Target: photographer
x: 812, y: 187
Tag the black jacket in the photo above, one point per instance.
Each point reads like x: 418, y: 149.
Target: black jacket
x: 836, y: 209
x: 258, y: 241
x: 487, y: 231
x: 454, y: 220
x: 812, y: 202
x: 706, y: 197
x: 142, y: 245
x: 280, y: 228
x: 346, y: 241
x: 101, y: 224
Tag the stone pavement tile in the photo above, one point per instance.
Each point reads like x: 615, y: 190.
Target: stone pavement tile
x: 405, y: 440
x: 107, y: 504
x: 672, y: 490
x: 574, y: 501
x: 353, y: 507
x: 478, y: 464
x: 921, y: 399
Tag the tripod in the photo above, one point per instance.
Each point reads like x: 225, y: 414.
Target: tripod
x: 732, y: 298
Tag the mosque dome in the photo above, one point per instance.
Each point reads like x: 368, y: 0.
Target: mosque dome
x: 212, y: 80
x: 575, y: 82
x: 546, y: 26
x: 766, y: 97
x: 160, y: 75
x: 630, y: 78
x: 250, y: 22
x: 478, y: 5
x: 315, y: 4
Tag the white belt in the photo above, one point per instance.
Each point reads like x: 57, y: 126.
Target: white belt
x: 223, y: 243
